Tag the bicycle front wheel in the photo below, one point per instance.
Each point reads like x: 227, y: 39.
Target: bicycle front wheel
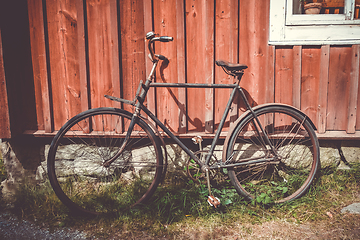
x: 79, y: 150
x: 279, y: 169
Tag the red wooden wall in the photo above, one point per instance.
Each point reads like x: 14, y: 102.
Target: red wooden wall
x: 83, y: 49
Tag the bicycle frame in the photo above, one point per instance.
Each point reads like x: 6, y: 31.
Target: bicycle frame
x: 140, y: 98
x: 141, y: 95
x: 271, y: 149
x: 235, y: 87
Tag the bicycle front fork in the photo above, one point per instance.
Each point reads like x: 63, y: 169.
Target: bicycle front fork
x: 134, y: 118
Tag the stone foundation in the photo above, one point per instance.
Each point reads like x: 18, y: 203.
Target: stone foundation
x: 21, y: 158
x: 25, y: 161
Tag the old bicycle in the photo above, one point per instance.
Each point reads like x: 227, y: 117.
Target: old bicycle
x: 106, y: 160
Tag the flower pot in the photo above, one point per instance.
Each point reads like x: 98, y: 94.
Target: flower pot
x: 312, y: 8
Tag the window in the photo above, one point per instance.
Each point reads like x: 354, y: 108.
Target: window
x: 337, y: 22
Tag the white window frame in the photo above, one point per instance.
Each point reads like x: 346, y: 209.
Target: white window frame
x: 287, y: 28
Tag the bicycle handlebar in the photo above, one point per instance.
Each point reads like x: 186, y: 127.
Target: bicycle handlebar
x: 166, y: 39
x: 151, y: 37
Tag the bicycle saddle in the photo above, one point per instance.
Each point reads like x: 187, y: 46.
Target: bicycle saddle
x: 231, y: 66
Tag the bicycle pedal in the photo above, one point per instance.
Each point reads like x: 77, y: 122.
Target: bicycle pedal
x: 213, y: 201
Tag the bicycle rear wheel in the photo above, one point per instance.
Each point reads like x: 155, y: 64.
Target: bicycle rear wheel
x: 79, y: 150
x: 275, y: 175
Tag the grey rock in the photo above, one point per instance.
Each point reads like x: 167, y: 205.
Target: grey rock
x: 351, y: 151
x: 353, y: 208
x: 329, y: 155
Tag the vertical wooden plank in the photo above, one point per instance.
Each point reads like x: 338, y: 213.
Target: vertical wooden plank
x: 39, y: 61
x: 249, y: 51
x: 128, y: 88
x: 5, y: 131
x: 181, y: 71
x: 132, y: 47
x: 103, y: 51
x: 357, y: 125
x: 339, y: 78
x: 208, y: 43
x: 114, y: 41
x: 63, y: 53
x: 200, y: 63
x: 310, y: 79
x: 354, y: 89
x: 68, y: 32
x: 297, y: 77
x: 270, y: 80
x: 226, y: 48
x: 284, y: 75
x: 254, y: 50
x: 103, y: 57
x: 270, y: 76
x: 323, y: 88
x: 82, y: 59
x: 283, y: 82
x: 234, y: 53
x: 168, y: 21
x: 83, y: 76
x: 194, y: 71
x: 148, y: 26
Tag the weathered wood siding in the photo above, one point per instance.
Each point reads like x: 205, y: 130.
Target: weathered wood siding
x: 4, y: 106
x: 83, y: 49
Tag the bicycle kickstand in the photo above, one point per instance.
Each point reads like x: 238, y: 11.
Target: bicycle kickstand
x: 213, y: 201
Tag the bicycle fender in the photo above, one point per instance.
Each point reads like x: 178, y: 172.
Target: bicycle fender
x: 248, y: 112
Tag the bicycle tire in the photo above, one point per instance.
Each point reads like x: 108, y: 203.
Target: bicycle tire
x: 284, y: 178
x: 78, y: 151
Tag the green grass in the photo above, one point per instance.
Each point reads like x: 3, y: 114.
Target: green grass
x: 3, y: 173
x: 184, y: 205
x: 3, y: 176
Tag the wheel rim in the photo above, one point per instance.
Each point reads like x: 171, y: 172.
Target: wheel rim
x: 290, y: 168
x: 76, y: 164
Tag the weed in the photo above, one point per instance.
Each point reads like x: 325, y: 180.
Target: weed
x: 3, y: 173
x: 3, y: 176
x: 175, y: 205
x: 38, y: 202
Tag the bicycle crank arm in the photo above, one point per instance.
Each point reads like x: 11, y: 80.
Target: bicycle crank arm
x: 213, y: 201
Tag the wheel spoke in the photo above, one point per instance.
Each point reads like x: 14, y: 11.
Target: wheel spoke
x: 79, y: 177
x: 292, y: 163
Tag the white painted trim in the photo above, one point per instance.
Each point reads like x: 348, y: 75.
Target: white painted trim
x: 301, y: 29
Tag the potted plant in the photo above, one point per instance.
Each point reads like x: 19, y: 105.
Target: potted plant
x: 311, y: 6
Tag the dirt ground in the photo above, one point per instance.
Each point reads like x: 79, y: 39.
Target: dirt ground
x: 347, y: 228
x: 337, y: 226
x: 342, y: 226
